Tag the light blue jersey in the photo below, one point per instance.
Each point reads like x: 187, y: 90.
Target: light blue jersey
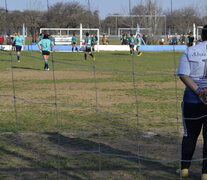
x: 46, y: 44
x: 138, y: 41
x: 18, y: 40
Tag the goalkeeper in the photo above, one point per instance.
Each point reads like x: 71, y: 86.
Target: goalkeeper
x: 192, y: 71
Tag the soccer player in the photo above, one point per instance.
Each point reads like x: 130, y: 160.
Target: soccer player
x: 131, y: 44
x: 88, y: 42
x: 94, y: 41
x: 74, y: 42
x: 192, y: 71
x: 138, y: 45
x: 41, y: 36
x: 13, y: 42
x: 121, y: 37
x: 19, y: 41
x: 1, y: 40
x: 45, y: 45
x: 190, y: 39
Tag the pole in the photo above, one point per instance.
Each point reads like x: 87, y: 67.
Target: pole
x: 23, y: 33
x: 155, y: 17
x: 6, y: 17
x: 130, y: 13
x: 194, y: 32
x: 89, y: 11
x: 48, y: 5
x: 81, y: 35
x: 116, y: 26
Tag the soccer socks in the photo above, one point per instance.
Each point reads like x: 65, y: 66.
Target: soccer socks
x: 91, y: 55
x: 93, y: 49
x: 18, y: 57
x: 46, y: 65
x: 72, y: 49
x: 77, y: 49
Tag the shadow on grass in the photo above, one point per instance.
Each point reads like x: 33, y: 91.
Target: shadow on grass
x: 8, y: 60
x: 79, y: 159
x: 119, y: 54
x: 26, y: 68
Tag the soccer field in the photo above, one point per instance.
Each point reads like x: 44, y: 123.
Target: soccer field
x: 116, y: 118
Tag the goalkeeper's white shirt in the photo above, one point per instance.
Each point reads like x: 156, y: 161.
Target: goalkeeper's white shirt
x: 193, y: 63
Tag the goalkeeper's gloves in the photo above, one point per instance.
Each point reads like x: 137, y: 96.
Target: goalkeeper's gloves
x: 202, y: 94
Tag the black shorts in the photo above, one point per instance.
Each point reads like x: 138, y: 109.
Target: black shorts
x: 190, y: 44
x: 131, y: 46
x: 18, y: 48
x: 45, y: 53
x: 74, y: 43
x: 88, y: 49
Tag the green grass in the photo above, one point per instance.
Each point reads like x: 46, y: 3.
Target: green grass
x: 114, y: 127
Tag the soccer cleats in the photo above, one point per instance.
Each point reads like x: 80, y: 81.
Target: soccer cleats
x: 183, y: 172
x: 204, y: 177
x: 139, y: 54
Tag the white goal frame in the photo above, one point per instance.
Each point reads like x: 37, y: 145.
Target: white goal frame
x: 63, y: 40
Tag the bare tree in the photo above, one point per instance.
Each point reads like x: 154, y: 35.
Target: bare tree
x: 182, y: 20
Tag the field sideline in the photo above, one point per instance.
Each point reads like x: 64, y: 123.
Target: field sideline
x: 96, y: 112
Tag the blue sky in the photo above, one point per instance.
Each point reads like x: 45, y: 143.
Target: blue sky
x: 105, y: 7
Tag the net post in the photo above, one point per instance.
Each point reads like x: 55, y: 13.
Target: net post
x: 98, y: 40
x: 194, y: 32
x: 81, y: 34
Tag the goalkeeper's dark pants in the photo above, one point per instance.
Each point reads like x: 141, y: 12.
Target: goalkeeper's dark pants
x: 194, y: 119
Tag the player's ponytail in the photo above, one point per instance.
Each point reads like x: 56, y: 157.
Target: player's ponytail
x: 204, y: 33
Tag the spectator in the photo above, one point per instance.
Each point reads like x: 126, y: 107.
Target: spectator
x: 105, y: 40
x: 1, y: 40
x: 8, y: 40
x: 125, y: 39
x: 190, y: 39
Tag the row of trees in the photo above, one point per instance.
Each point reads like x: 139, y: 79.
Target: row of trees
x: 71, y: 14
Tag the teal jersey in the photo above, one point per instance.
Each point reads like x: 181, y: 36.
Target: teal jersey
x: 94, y: 40
x: 74, y: 39
x: 88, y: 42
x: 132, y: 41
x: 18, y: 40
x: 46, y: 44
x: 138, y: 41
